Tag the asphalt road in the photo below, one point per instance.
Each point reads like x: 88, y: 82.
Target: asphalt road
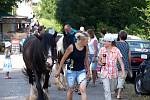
x: 17, y: 88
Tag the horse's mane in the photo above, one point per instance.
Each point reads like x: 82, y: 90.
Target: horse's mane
x: 40, y: 50
x: 47, y: 42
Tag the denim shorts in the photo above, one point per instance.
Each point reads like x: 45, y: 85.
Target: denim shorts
x: 93, y: 65
x: 75, y: 76
x: 120, y: 80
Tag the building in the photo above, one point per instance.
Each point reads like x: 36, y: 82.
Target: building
x: 10, y: 24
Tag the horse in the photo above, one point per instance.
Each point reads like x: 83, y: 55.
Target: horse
x: 62, y: 44
x: 39, y: 53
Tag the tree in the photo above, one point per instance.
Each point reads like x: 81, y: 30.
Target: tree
x: 123, y: 12
x: 48, y: 9
x: 145, y: 20
x: 7, y: 5
x: 116, y: 13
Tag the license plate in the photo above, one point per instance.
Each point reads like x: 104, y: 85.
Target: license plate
x: 143, y: 56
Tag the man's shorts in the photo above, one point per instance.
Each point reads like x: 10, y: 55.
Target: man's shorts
x: 93, y: 65
x: 120, y: 80
x: 79, y: 76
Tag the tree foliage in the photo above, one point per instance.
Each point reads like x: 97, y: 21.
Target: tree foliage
x: 48, y: 8
x: 146, y: 19
x: 143, y: 27
x: 117, y: 13
x: 7, y: 5
x: 88, y: 13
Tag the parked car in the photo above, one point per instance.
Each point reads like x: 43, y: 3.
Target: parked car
x: 130, y: 37
x: 142, y: 80
x: 139, y: 48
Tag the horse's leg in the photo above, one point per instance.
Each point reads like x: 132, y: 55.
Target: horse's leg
x: 58, y: 81
x: 62, y: 80
x: 39, y: 87
x: 46, y: 83
x: 64, y: 77
x: 33, y: 91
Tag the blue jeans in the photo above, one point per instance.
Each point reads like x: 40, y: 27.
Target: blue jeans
x: 72, y: 76
x: 93, y: 65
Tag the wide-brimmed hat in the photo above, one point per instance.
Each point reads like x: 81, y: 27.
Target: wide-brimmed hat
x: 109, y: 37
x: 7, y: 44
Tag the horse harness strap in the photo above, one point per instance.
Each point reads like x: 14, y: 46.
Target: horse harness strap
x: 28, y: 41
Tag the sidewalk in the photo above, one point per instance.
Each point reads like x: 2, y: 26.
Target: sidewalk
x: 17, y: 61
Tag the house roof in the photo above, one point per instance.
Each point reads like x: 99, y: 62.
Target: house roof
x: 2, y: 14
x: 8, y: 18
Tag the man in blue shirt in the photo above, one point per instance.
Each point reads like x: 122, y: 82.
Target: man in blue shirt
x: 68, y: 30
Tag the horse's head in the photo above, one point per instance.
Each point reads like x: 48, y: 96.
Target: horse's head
x: 66, y: 41
x: 49, y: 46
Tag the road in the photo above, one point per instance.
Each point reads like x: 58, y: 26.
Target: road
x: 17, y: 88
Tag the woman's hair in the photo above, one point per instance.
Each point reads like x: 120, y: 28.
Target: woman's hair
x: 113, y: 43
x: 81, y: 35
x: 91, y: 33
x: 122, y: 35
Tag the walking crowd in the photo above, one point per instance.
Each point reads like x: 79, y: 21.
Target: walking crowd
x: 113, y: 58
x: 86, y: 55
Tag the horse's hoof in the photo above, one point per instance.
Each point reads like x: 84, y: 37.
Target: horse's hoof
x: 59, y: 88
x: 46, y: 91
x: 46, y: 95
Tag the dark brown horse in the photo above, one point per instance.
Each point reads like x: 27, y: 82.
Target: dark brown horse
x: 39, y: 53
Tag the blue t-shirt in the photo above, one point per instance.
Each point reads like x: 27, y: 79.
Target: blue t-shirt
x: 72, y: 36
x: 124, y: 49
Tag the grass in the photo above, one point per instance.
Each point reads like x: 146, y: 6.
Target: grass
x: 130, y: 93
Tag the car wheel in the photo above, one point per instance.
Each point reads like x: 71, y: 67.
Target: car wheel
x: 138, y: 84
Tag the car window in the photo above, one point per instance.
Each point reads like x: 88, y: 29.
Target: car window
x: 146, y: 45
x: 134, y: 45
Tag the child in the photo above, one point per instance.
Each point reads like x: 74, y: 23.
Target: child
x: 7, y: 63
